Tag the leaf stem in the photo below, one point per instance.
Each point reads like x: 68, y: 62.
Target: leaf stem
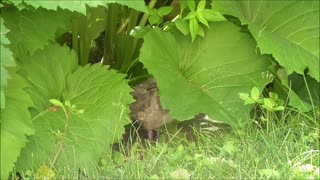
x: 55, y: 159
x: 145, y: 16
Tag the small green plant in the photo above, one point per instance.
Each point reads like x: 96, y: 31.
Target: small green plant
x: 156, y: 15
x: 197, y: 17
x: 270, y: 104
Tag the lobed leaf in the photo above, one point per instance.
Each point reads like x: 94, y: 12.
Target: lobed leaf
x: 15, y: 122
x: 6, y: 61
x: 80, y: 6
x: 100, y: 96
x: 30, y: 29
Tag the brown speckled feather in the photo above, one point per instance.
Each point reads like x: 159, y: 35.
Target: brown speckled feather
x: 147, y: 108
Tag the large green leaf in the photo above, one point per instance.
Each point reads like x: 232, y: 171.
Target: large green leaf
x: 33, y: 29
x: 6, y: 61
x: 102, y: 93
x: 207, y: 75
x: 15, y: 123
x: 287, y: 29
x: 80, y: 6
x: 46, y: 71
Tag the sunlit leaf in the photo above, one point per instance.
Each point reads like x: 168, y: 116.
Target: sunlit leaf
x: 205, y: 75
x: 212, y: 15
x: 287, y: 29
x: 15, y: 123
x: 182, y: 26
x: 191, y: 5
x: 98, y: 98
x: 201, y: 5
x: 194, y: 28
x: 202, y: 19
x: 164, y: 10
x: 80, y: 6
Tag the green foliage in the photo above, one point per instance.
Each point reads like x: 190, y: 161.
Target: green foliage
x: 245, y: 153
x: 80, y: 6
x: 29, y: 30
x: 15, y: 122
x: 281, y: 29
x: 76, y: 126
x: 195, y: 17
x: 59, y: 113
x: 156, y: 15
x: 6, y: 61
x: 205, y: 75
x: 272, y: 103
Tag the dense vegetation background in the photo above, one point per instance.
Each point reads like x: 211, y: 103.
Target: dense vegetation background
x: 67, y: 68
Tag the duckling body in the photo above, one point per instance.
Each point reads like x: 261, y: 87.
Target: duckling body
x: 147, y: 108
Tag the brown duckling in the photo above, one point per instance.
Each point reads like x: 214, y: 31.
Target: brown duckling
x: 147, y: 108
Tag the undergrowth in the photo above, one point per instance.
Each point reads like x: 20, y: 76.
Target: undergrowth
x: 290, y: 150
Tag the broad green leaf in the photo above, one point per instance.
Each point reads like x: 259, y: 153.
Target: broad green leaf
x: 287, y: 29
x: 194, y: 28
x: 15, y: 123
x: 165, y: 10
x: 80, y: 6
x: 6, y: 61
x: 182, y: 25
x: 307, y: 88
x: 212, y: 15
x: 289, y: 87
x: 31, y: 30
x: 303, y: 93
x: 101, y: 97
x: 47, y: 70
x: 205, y: 75
x: 296, y: 102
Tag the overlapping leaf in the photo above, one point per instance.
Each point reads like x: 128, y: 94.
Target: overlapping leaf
x: 6, y: 61
x: 207, y: 75
x: 102, y: 93
x: 33, y: 29
x: 80, y: 6
x: 15, y: 123
x: 289, y: 30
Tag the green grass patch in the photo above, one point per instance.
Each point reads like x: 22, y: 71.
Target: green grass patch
x: 288, y: 150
